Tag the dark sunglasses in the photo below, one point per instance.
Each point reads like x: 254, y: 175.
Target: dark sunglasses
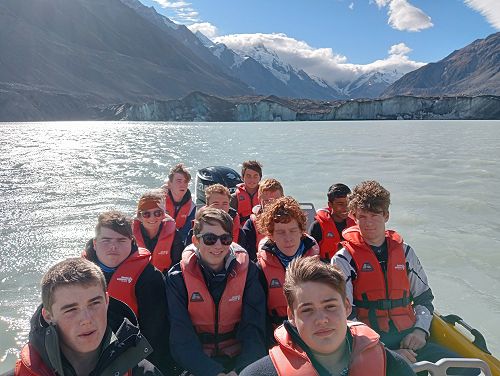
x: 147, y: 214
x: 211, y: 239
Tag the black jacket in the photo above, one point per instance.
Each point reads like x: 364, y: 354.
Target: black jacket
x: 152, y: 310
x: 123, y: 347
x: 186, y: 347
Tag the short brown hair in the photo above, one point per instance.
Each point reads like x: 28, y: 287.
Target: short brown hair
x: 216, y: 189
x: 75, y: 271
x: 312, y: 269
x: 251, y: 165
x: 370, y: 196
x: 270, y: 185
x: 281, y: 210
x: 179, y: 169
x: 115, y: 220
x: 212, y: 216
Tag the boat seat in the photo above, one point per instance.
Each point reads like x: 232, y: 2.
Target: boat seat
x: 310, y: 212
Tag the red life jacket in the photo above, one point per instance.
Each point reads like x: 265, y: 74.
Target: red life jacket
x: 245, y: 201
x: 367, y: 356
x: 236, y: 228
x: 182, y: 214
x: 122, y: 283
x: 274, y: 272
x: 215, y: 325
x: 330, y: 237
x: 376, y: 300
x: 32, y: 364
x: 160, y: 256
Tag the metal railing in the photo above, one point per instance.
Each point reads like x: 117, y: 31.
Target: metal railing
x: 440, y: 367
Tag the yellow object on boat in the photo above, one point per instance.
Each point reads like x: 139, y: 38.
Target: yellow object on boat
x: 445, y: 331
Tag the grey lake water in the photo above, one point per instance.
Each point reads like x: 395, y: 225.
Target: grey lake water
x: 444, y: 178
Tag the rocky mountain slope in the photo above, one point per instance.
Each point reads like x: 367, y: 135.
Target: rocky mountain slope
x: 472, y: 70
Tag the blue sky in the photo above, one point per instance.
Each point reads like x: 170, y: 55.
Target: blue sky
x: 341, y: 34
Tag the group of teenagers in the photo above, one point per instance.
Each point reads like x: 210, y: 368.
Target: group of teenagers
x: 237, y: 287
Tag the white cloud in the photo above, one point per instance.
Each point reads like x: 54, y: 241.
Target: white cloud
x: 399, y: 49
x: 351, y: 6
x: 206, y: 28
x: 320, y: 62
x: 183, y: 12
x: 404, y: 16
x: 490, y: 9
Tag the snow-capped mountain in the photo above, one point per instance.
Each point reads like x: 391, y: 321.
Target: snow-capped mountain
x: 262, y: 69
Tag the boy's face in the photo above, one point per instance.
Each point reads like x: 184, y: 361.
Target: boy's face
x: 179, y: 185
x: 111, y: 247
x: 339, y: 209
x: 219, y: 201
x: 371, y: 225
x: 320, y: 315
x: 151, y: 219
x: 212, y: 255
x: 79, y: 313
x: 269, y: 196
x: 251, y: 179
x: 287, y: 237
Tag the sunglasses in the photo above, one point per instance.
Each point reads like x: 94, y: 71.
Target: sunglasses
x: 147, y: 214
x: 211, y: 239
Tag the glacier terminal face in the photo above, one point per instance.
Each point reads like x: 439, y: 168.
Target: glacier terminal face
x: 202, y: 107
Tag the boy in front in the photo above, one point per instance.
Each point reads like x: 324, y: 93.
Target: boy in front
x: 317, y: 339
x: 70, y: 333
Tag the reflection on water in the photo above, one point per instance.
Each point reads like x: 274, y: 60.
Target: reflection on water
x: 444, y: 177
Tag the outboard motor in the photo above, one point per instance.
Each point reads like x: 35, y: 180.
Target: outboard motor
x: 213, y: 175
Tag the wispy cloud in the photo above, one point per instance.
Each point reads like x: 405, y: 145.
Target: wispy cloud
x: 351, y: 6
x: 319, y: 62
x: 206, y: 28
x: 490, y: 9
x: 181, y: 11
x: 404, y: 16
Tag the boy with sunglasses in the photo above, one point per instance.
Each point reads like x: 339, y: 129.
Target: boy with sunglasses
x: 155, y: 230
x: 216, y: 301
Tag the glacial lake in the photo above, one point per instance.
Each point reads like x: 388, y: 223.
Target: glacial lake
x: 444, y: 178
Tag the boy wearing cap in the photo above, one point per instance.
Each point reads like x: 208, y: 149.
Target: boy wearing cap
x: 155, y: 230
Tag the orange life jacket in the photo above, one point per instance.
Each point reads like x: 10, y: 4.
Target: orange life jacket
x: 367, y: 356
x: 236, y: 227
x: 122, y: 283
x: 182, y: 214
x: 215, y: 324
x: 380, y: 298
x: 274, y: 271
x: 330, y: 237
x: 161, y: 255
x: 245, y: 201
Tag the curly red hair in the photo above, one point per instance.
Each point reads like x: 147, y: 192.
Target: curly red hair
x: 281, y: 210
